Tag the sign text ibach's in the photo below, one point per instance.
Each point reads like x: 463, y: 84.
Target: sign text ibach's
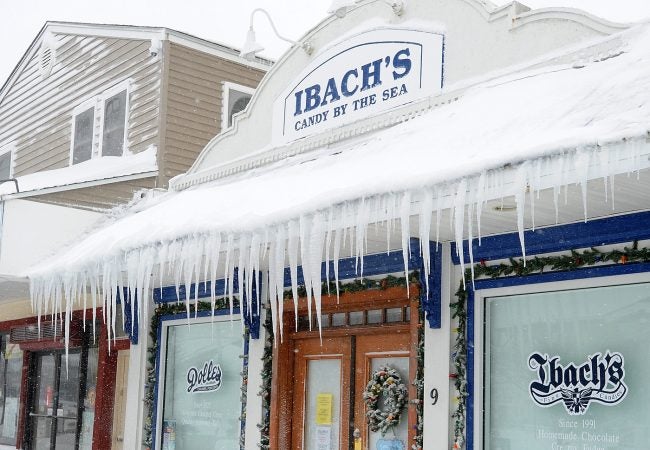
x: 358, y: 78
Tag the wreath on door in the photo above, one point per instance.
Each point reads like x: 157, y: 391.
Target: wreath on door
x: 385, y: 383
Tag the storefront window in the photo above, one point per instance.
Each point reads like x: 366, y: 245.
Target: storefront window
x: 568, y: 370
x: 202, y: 386
x: 11, y: 363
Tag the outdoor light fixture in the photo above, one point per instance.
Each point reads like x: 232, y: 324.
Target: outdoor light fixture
x: 252, y: 47
x: 341, y: 7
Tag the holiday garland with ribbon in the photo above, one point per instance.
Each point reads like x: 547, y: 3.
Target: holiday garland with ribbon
x: 519, y: 267
x: 385, y: 383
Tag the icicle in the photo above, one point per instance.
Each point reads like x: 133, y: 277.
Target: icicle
x: 337, y: 253
x: 458, y: 220
x: 213, y: 252
x: 426, y: 209
x: 405, y: 212
x: 276, y: 263
x: 439, y: 194
x: 228, y: 272
x: 305, y: 230
x: 480, y: 200
x: 294, y: 230
x: 328, y: 244
x: 316, y: 241
x: 520, y: 200
x: 582, y: 160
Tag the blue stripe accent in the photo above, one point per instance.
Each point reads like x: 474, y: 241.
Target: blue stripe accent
x: 154, y: 415
x: 469, y: 406
x: 611, y: 230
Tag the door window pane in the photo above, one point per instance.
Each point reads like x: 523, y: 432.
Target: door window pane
x: 11, y: 363
x: 114, y: 123
x: 323, y: 404
x: 568, y: 370
x: 68, y: 404
x: 399, y: 432
x: 202, y: 388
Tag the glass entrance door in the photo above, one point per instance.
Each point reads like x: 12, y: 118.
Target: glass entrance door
x: 54, y: 410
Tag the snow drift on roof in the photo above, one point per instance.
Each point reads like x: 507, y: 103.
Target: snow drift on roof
x: 551, y: 126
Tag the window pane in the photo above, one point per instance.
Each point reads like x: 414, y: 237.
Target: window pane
x: 566, y: 369
x: 203, y: 383
x: 88, y: 415
x: 5, y: 166
x: 11, y: 363
x: 68, y: 407
x: 114, y: 123
x: 83, y: 136
x: 237, y: 102
x: 322, y: 404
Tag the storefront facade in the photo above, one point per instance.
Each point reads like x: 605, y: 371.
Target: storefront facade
x: 414, y: 250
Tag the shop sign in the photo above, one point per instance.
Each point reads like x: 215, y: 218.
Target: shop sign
x: 599, y: 379
x: 206, y: 379
x: 359, y: 77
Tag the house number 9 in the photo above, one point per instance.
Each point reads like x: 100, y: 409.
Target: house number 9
x: 434, y: 396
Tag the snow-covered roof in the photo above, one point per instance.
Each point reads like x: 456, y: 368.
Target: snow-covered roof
x: 524, y: 131
x: 97, y: 170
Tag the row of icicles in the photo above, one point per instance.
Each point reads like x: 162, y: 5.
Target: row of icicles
x: 316, y: 238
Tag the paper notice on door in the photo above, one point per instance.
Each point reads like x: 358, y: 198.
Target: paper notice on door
x: 324, y: 409
x: 323, y: 438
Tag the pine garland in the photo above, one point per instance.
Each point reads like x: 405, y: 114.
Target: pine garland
x: 520, y: 267
x: 418, y: 382
x: 265, y: 388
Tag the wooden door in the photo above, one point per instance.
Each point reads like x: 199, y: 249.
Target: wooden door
x: 329, y: 381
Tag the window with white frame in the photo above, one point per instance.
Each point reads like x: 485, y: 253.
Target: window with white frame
x: 5, y: 164
x: 99, y: 126
x: 236, y: 98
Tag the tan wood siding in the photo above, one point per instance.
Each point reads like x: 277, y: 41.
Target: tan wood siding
x: 36, y: 113
x: 192, y: 116
x: 97, y: 198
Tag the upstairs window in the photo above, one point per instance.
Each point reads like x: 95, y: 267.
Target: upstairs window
x: 236, y: 98
x: 99, y: 125
x: 114, y: 124
x: 5, y: 165
x: 84, y: 129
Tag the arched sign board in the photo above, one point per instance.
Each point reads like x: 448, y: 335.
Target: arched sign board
x: 359, y: 77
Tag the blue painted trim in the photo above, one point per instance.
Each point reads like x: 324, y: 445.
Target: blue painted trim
x: 181, y: 316
x: 432, y: 300
x: 469, y: 405
x: 612, y: 230
x: 131, y: 329
x: 585, y: 273
x: 168, y: 295
x: 375, y: 264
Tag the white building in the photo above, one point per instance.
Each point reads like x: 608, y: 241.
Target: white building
x: 487, y: 148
